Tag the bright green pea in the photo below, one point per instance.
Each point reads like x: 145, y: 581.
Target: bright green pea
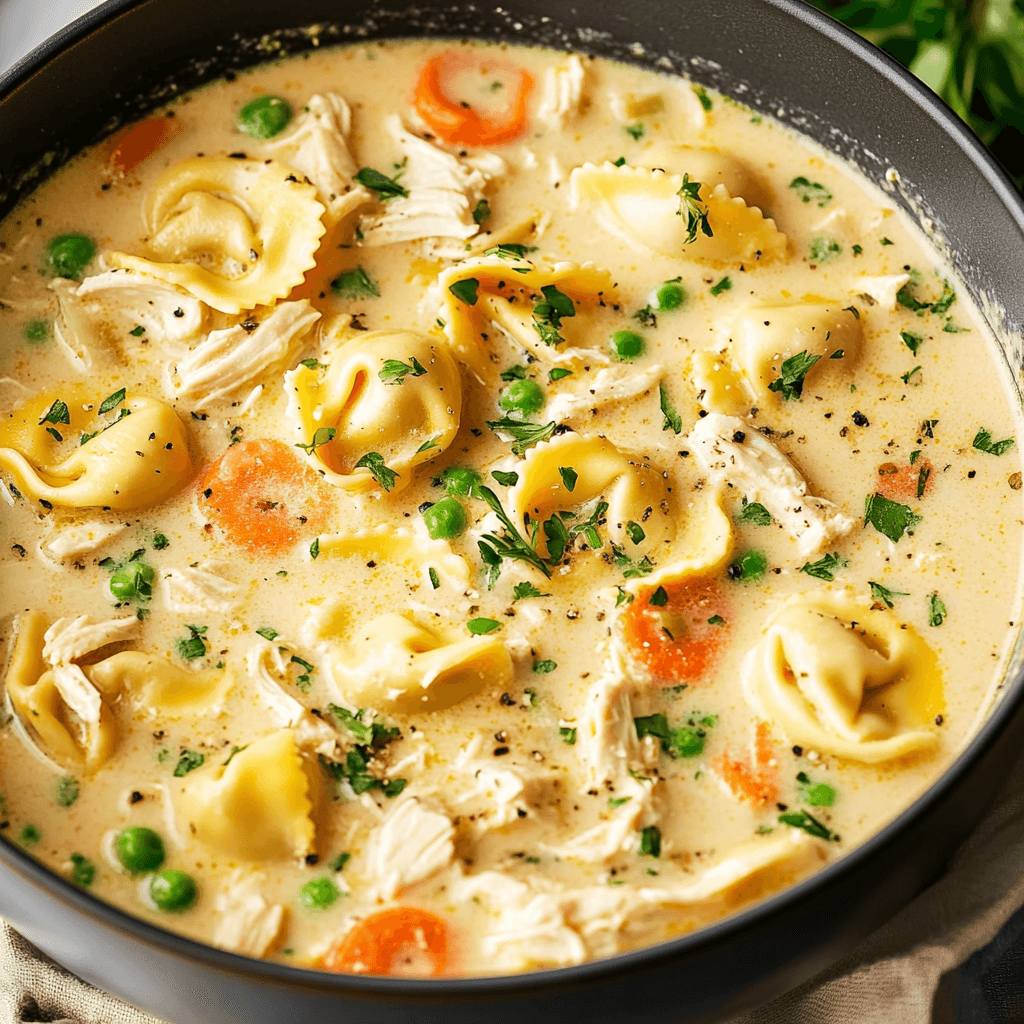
x: 667, y: 297
x: 687, y: 742
x: 264, y: 117
x: 751, y: 565
x: 445, y: 519
x: 525, y: 397
x: 37, y: 331
x: 460, y: 481
x: 69, y: 255
x: 318, y: 894
x: 173, y: 890
x: 139, y: 849
x: 626, y: 345
x: 122, y: 586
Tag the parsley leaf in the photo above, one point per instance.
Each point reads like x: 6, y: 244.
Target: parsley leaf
x: 650, y: 841
x: 193, y: 646
x: 465, y: 290
x: 569, y: 477
x: 912, y: 341
x: 811, y: 191
x: 267, y: 632
x: 984, y: 443
x: 526, y: 589
x: 505, y: 479
x: 481, y: 626
x: 482, y: 211
x: 355, y: 284
x: 57, y: 413
x: 567, y: 734
x: 825, y: 568
x: 557, y: 373
x: 189, y: 761
x: 817, y: 794
x: 673, y: 421
x: 754, y: 512
x: 374, y: 462
x: 806, y: 821
x: 509, y: 544
x: 631, y: 569
x: 509, y: 251
x: 385, y: 187
x: 936, y: 610
x: 395, y: 371
x: 548, y: 314
x: 513, y: 373
x: 543, y: 668
x: 823, y: 249
x: 724, y: 285
x: 889, y: 517
x: 884, y: 594
x: 695, y: 211
x: 111, y: 402
x: 322, y: 436
x: 524, y: 435
x: 790, y: 383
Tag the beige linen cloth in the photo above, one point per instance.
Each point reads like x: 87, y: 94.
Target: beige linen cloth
x: 899, y: 975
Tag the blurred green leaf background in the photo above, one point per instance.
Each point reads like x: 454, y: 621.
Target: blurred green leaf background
x: 971, y: 52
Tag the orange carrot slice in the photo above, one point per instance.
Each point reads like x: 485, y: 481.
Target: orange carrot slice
x: 263, y: 497
x: 386, y: 942
x: 142, y: 141
x: 455, y: 121
x: 905, y: 483
x: 680, y: 640
x: 756, y: 781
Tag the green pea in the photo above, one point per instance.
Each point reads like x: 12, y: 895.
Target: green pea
x: 626, y: 345
x: 139, y: 849
x: 525, y: 397
x: 173, y: 890
x: 37, y: 331
x: 69, y: 255
x: 667, y: 297
x: 751, y: 565
x: 318, y: 894
x: 460, y: 481
x: 444, y: 519
x: 264, y: 117
x: 687, y: 742
x: 122, y: 586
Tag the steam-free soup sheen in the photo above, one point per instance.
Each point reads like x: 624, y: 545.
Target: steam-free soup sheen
x: 472, y: 509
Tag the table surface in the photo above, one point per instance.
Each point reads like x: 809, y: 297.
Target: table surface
x: 989, y: 987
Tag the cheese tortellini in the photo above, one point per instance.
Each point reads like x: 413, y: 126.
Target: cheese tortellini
x: 134, y: 462
x: 488, y: 292
x: 396, y: 394
x: 396, y: 664
x: 644, y: 206
x: 838, y: 677
x: 234, y: 233
x: 638, y: 513
x: 262, y: 805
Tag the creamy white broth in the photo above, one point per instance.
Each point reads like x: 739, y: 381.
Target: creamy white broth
x: 855, y: 415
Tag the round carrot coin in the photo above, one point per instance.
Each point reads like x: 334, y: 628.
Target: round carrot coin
x: 677, y: 631
x: 905, y: 483
x: 140, y: 142
x: 263, y: 497
x: 390, y: 942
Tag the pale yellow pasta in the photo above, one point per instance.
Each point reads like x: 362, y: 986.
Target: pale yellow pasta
x: 842, y: 678
x: 234, y: 233
x: 137, y: 461
x: 359, y: 402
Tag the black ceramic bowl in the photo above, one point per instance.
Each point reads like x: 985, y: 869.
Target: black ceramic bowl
x: 784, y: 59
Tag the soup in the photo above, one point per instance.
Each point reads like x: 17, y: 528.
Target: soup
x: 474, y: 509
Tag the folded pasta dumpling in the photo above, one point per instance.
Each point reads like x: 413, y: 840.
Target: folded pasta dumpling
x: 836, y: 676
x: 260, y: 806
x: 158, y: 686
x: 318, y: 146
x: 719, y: 385
x: 711, y: 167
x: 396, y: 664
x: 638, y: 516
x: 235, y: 233
x: 68, y: 719
x: 485, y: 293
x: 393, y: 394
x: 763, y: 337
x: 139, y: 460
x: 646, y: 206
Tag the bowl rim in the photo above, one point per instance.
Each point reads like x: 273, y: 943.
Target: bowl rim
x: 1002, y: 710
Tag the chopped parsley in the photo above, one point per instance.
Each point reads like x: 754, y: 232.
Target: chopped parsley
x: 189, y: 761
x: 702, y: 95
x: 755, y: 513
x: 806, y: 821
x: 509, y: 251
x: 385, y: 187
x: 509, y: 544
x: 634, y: 131
x: 314, y: 548
x: 305, y: 678
x: 650, y: 841
x: 635, y: 532
x: 482, y: 211
x: 231, y: 756
x: 548, y: 314
x: 83, y: 871
x: 889, y: 517
x: 557, y: 373
x: 884, y: 594
x: 825, y: 568
x: 138, y: 331
x: 751, y: 565
x: 811, y: 191
x: 431, y: 442
x: 395, y: 371
x: 374, y: 462
x: 659, y: 598
x: 65, y: 792
x: 823, y: 249
x: 160, y: 541
x: 673, y: 421
x: 435, y: 580
x: 984, y: 443
x: 907, y: 377
x: 111, y: 402
x: 482, y: 626
x: 193, y: 646
x: 322, y: 436
x: 505, y: 479
x: 695, y: 211
x: 523, y: 590
x: 465, y: 290
x: 724, y: 285
x: 524, y: 435
x: 629, y: 568
x: 912, y: 341
x: 790, y: 382
x: 936, y: 610
x: 569, y: 477
x: 57, y: 413
x: 906, y: 298
x: 567, y: 734
x: 354, y: 284
x: 817, y: 794
x: 542, y: 668
x: 267, y: 632
x: 354, y: 770
x: 513, y: 373
x: 340, y: 861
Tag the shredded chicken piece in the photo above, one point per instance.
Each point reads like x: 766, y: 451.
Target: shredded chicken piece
x: 609, y: 386
x: 199, y: 588
x: 72, y: 541
x: 71, y: 638
x: 410, y: 844
x: 245, y: 922
x: 562, y: 95
x: 735, y: 452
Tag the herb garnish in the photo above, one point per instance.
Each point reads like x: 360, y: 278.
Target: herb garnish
x: 524, y: 435
x: 374, y: 462
x: 984, y: 443
x: 509, y: 544
x: 811, y: 191
x: 790, y: 382
x: 754, y: 512
x: 189, y: 761
x: 936, y: 610
x: 884, y: 594
x: 355, y: 284
x: 825, y: 568
x: 548, y: 314
x: 193, y: 646
x: 673, y: 421
x: 322, y: 436
x: 395, y: 371
x: 385, y: 187
x: 889, y: 517
x: 806, y: 821
x: 695, y: 211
